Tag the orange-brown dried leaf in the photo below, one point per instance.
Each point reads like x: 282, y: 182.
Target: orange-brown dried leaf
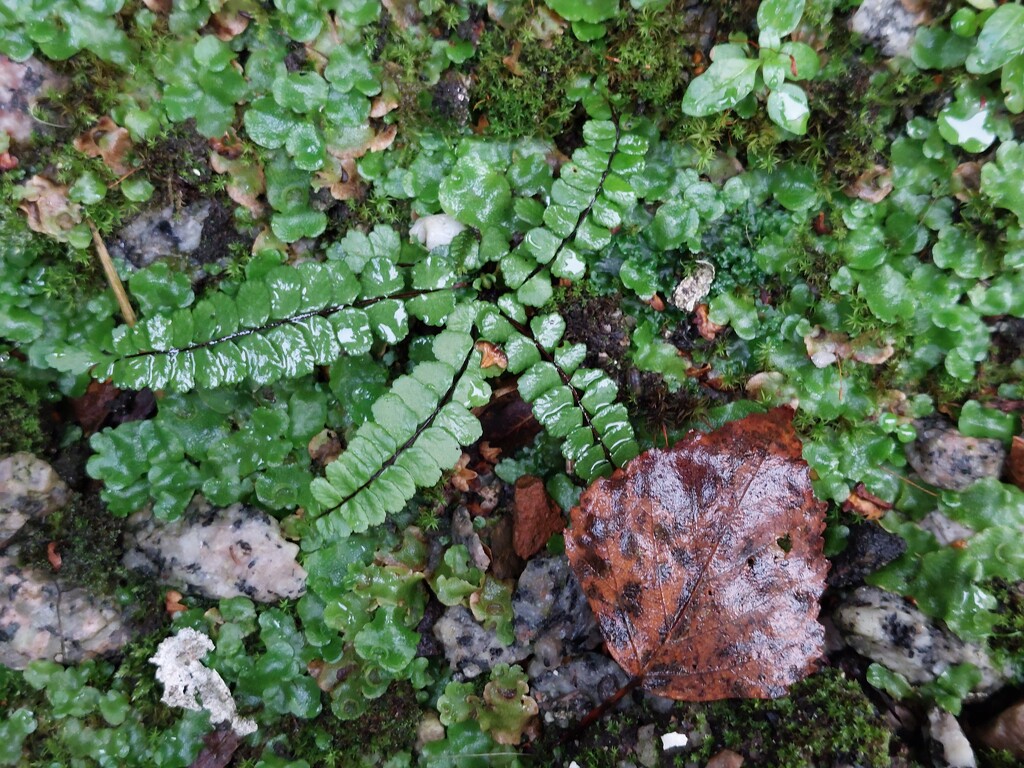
x: 866, y: 504
x: 1015, y: 462
x: 536, y: 518
x: 53, y: 555
x: 491, y: 355
x: 704, y: 563
x: 108, y: 141
x: 707, y: 329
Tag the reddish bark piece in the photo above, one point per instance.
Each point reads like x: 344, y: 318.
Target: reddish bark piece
x: 704, y: 563
x: 536, y: 519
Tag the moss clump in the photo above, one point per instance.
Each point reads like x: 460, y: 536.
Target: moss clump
x: 531, y: 99
x: 826, y: 720
x: 19, y: 412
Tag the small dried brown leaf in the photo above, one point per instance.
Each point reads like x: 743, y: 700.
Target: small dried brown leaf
x: 536, y: 518
x: 707, y: 329
x: 47, y: 208
x: 172, y: 601
x: 866, y: 504
x: 218, y: 750
x: 228, y: 24
x: 491, y: 355
x: 1015, y: 462
x: 158, y: 6
x: 872, y: 186
x: 511, y: 61
x: 704, y: 563
x: 53, y: 555
x: 109, y: 141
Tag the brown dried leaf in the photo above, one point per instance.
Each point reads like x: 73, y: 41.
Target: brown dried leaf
x: 491, y: 355
x: 109, y: 141
x: 47, y: 207
x: 172, y: 601
x: 219, y: 748
x: 53, y: 555
x: 872, y: 186
x: 536, y: 518
x: 228, y: 23
x: 704, y: 563
x: 247, y: 181
x: 1015, y: 462
x: 866, y: 504
x: 707, y: 329
x: 511, y: 61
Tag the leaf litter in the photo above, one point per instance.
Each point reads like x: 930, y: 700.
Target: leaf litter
x: 704, y: 563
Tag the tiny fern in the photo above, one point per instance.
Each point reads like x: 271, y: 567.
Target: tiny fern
x: 284, y: 321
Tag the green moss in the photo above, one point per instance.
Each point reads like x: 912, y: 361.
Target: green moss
x: 19, y: 412
x: 1008, y: 634
x: 533, y: 101
x: 825, y: 720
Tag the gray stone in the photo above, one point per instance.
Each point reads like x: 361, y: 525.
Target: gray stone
x: 470, y: 649
x: 464, y: 533
x: 953, y: 750
x: 29, y: 489
x: 550, y: 607
x: 41, y: 620
x: 569, y: 692
x: 946, y: 459
x: 886, y: 629
x: 22, y: 83
x: 889, y: 24
x: 217, y: 553
x: 157, y: 234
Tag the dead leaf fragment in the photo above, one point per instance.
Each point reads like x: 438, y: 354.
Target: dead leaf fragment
x: 228, y: 23
x: 53, y: 555
x: 827, y: 347
x: 726, y: 759
x: 872, y: 186
x: 864, y: 503
x: 511, y: 61
x: 172, y: 601
x: 491, y: 355
x: 158, y: 6
x: 109, y: 141
x: 1015, y: 462
x: 707, y: 329
x: 47, y: 207
x: 704, y: 563
x: 218, y: 750
x: 536, y: 518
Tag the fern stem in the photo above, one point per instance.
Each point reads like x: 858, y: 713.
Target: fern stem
x: 111, y: 274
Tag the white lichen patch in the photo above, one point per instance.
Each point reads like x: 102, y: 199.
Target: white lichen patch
x: 691, y: 290
x: 191, y: 685
x: 435, y: 230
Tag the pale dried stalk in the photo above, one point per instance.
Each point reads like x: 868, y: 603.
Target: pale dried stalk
x: 115, y: 282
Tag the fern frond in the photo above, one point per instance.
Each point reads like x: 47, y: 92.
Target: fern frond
x: 574, y: 404
x: 419, y: 429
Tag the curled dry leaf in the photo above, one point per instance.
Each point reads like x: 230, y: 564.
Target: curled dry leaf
x: 707, y: 329
x: 491, y: 355
x: 703, y: 564
x: 536, y: 517
x: 246, y: 183
x: 381, y: 105
x: 866, y: 504
x: 872, y: 186
x: 8, y: 162
x: 172, y: 601
x: 53, y: 555
x: 341, y: 176
x: 827, y: 347
x: 109, y: 141
x: 158, y: 6
x: 228, y: 23
x: 966, y: 181
x: 511, y: 61
x: 47, y: 207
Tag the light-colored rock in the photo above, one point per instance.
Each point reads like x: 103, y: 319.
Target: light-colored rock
x: 217, y: 553
x: 549, y: 606
x: 39, y: 620
x: 470, y: 649
x: 22, y: 83
x: 889, y: 24
x: 946, y: 459
x: 435, y: 230
x: 691, y: 290
x: 464, y: 533
x: 1006, y: 731
x: 886, y: 629
x: 954, y: 750
x: 29, y: 489
x: 646, y: 750
x: 160, y: 233
x: 191, y: 685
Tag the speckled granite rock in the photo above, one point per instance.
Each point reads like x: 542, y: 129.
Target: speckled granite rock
x: 29, y: 488
x: 567, y: 693
x: 886, y: 629
x: 160, y: 233
x: 21, y: 85
x: 947, y: 459
x: 889, y: 24
x: 470, y: 649
x: 39, y: 620
x: 551, y: 612
x: 217, y: 553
